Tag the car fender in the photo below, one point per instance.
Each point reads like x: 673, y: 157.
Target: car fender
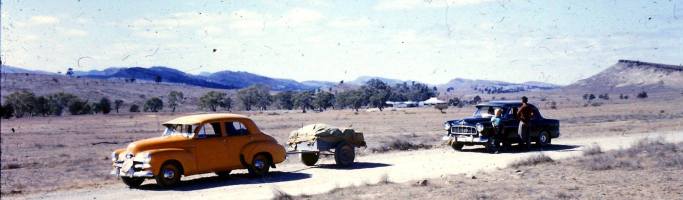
x: 119, y: 151
x: 159, y: 156
x: 276, y: 151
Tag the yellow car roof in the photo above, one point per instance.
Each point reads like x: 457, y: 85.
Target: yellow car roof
x: 201, y: 118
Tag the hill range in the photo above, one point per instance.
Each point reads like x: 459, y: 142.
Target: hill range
x: 624, y: 75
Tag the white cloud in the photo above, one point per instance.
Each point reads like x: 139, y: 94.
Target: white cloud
x: 349, y: 23
x: 247, y: 21
x: 43, y: 20
x: 155, y: 34
x: 299, y: 17
x: 414, y: 4
x: 73, y: 32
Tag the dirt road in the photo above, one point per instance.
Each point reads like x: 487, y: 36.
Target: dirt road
x: 295, y: 178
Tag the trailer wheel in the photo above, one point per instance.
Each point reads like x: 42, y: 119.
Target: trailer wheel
x: 344, y: 155
x: 309, y: 159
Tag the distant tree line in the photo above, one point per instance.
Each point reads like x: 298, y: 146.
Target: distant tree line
x: 605, y: 96
x: 24, y: 103
x: 374, y: 93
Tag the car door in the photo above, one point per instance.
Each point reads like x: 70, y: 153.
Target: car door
x: 237, y: 135
x: 210, y: 151
x: 536, y: 123
x: 510, y: 123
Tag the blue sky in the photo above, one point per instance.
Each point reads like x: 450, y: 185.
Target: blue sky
x: 432, y: 41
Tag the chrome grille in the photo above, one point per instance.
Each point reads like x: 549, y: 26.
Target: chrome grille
x: 463, y: 130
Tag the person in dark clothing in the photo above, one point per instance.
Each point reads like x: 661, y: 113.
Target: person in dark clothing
x: 524, y: 115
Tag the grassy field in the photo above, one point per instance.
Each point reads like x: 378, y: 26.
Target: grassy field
x: 650, y: 169
x: 50, y: 153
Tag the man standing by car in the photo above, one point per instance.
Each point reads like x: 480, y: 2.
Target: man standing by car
x: 524, y: 115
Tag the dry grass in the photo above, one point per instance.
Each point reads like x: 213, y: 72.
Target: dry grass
x: 51, y: 153
x: 531, y: 161
x: 646, y: 153
x: 569, y: 179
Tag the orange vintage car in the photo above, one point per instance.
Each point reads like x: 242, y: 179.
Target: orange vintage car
x: 198, y: 144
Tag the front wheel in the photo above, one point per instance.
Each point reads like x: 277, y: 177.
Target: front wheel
x: 457, y: 146
x: 132, y: 182
x: 344, y: 155
x: 492, y: 145
x: 169, y: 175
x: 543, y: 139
x: 260, y: 166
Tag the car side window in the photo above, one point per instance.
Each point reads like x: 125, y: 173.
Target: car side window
x: 210, y: 130
x: 536, y: 114
x: 513, y: 113
x: 235, y: 129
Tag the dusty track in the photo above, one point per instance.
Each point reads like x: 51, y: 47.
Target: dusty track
x: 295, y: 178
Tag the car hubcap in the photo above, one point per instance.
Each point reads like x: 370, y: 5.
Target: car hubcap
x: 169, y: 174
x: 259, y: 164
x: 544, y: 139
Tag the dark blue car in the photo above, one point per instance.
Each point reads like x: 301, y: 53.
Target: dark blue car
x: 478, y: 129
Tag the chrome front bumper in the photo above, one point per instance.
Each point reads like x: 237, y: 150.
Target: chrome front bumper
x: 465, y: 138
x: 135, y: 170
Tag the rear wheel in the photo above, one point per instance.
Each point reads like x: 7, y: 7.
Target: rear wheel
x: 132, y: 182
x: 344, y: 155
x: 543, y: 139
x: 260, y: 165
x: 309, y: 159
x: 169, y: 175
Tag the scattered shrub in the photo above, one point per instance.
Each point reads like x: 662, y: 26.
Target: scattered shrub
x: 6, y: 111
x: 281, y: 195
x: 609, y: 161
x: 105, y: 105
x: 117, y: 104
x: 153, y: 104
x: 22, y: 101
x: 592, y: 150
x: 553, y: 105
x: 134, y: 108
x: 79, y: 107
x: 532, y: 160
x: 400, y: 145
x: 384, y: 179
x: 12, y: 166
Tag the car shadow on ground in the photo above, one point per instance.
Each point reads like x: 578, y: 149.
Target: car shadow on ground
x: 233, y: 179
x: 356, y: 165
x: 518, y: 149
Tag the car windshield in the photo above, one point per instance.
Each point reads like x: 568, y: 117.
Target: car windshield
x: 179, y: 129
x: 486, y: 111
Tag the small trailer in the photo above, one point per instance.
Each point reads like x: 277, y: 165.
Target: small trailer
x: 314, y: 140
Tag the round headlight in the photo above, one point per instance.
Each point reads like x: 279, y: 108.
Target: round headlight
x: 480, y: 127
x: 113, y: 157
x: 446, y: 126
